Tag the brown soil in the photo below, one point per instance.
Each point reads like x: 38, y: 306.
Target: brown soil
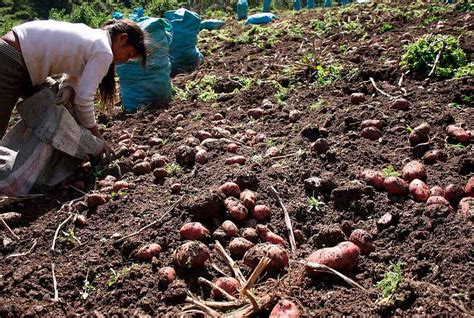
x: 435, y: 245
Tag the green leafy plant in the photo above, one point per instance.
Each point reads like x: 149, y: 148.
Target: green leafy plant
x: 173, y: 169
x: 87, y: 288
x: 197, y: 116
x: 420, y: 56
x: 455, y: 146
x: 385, y: 27
x: 114, y: 276
x: 270, y: 142
x: 321, y: 103
x: 391, y: 280
x: 314, y: 203
x: 389, y: 171
x: 409, y: 129
x: 118, y: 194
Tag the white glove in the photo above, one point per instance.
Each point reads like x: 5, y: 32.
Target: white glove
x: 65, y: 95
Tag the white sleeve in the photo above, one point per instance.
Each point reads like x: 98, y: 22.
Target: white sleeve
x: 95, y: 70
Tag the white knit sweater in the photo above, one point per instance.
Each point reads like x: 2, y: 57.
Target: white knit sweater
x: 84, y: 54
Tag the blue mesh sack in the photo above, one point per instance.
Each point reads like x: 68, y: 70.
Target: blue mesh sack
x: 184, y: 54
x: 141, y: 86
x: 242, y: 9
x: 212, y: 24
x: 260, y: 18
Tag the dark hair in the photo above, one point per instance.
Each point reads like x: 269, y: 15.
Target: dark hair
x: 136, y: 38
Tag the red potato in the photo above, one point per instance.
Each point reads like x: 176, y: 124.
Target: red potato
x: 268, y: 236
x: 194, y: 231
x: 435, y: 155
x: 81, y: 220
x: 202, y: 156
x: 192, y: 141
x: 419, y: 190
x: 469, y: 188
x: 395, y: 186
x: 321, y: 145
x: 420, y: 134
x: 95, y: 199
x: 229, y: 228
x: 458, y: 133
x: 373, y: 177
x: 124, y: 136
x: 107, y: 181
x: 466, y: 207
x: 371, y: 133
x: 237, y: 211
x: 248, y: 198
x: 285, y: 309
x: 437, y: 200
x: 278, y: 256
x: 256, y: 112
x: 371, y: 123
x: 228, y: 284
x: 414, y: 170
x: 148, y: 251
x: 155, y: 141
x: 272, y: 152
x: 235, y: 159
x: 230, y: 189
x: 357, y: 98
x: 239, y: 246
x: 120, y: 185
x: 453, y: 193
x: 138, y: 154
x: 166, y: 275
x: 141, y: 168
x: 191, y: 254
x: 232, y: 148
x: 400, y: 104
x: 437, y: 191
x: 158, y: 161
x: 11, y: 218
x: 261, y: 212
x: 343, y: 256
x: 299, y: 236
x: 202, y: 134
x: 250, y: 234
x: 176, y: 188
x: 363, y: 240
x: 160, y: 173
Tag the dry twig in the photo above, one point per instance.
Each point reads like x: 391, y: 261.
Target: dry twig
x: 212, y: 285
x: 287, y: 219
x: 326, y: 269
x: 211, y: 312
x: 379, y: 90
x: 24, y: 253
x: 55, y: 284
x: 151, y: 224
x: 438, y: 57
x: 57, y: 231
x: 9, y: 229
x: 230, y: 262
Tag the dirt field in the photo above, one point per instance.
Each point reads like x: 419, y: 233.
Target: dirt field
x: 272, y: 68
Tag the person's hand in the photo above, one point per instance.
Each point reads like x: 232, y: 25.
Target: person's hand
x: 107, y: 153
x: 65, y: 95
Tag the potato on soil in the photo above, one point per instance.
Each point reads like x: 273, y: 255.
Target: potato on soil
x: 230, y: 189
x: 120, y: 185
x: 357, y: 98
x: 285, y: 309
x: 235, y: 159
x: 277, y: 254
x: 256, y: 112
x: 239, y: 246
x: 176, y: 188
x: 371, y: 133
x: 272, y: 152
x: 194, y: 231
x: 453, y: 193
x: 373, y: 177
x: 248, y: 198
x: 458, y: 133
x: 166, y: 275
x: 138, y: 154
x: 435, y: 155
x: 268, y: 236
x: 141, y: 168
x: 400, y: 104
x: 229, y: 228
x: 437, y: 191
x: 321, y: 145
x: 191, y: 254
x: 95, y: 199
x: 371, y: 123
x: 11, y: 218
x: 237, y: 211
x: 395, y: 186
x: 185, y: 156
x: 363, y: 240
x: 81, y: 220
x: 420, y: 134
x: 250, y: 234
x: 466, y: 207
x: 202, y: 134
x: 228, y: 284
x: 158, y: 161
x: 232, y: 148
x: 261, y: 212
x: 469, y: 188
x: 147, y: 252
x: 414, y: 170
x: 434, y: 200
x: 419, y: 190
x: 202, y: 156
x: 343, y: 256
x: 299, y: 236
